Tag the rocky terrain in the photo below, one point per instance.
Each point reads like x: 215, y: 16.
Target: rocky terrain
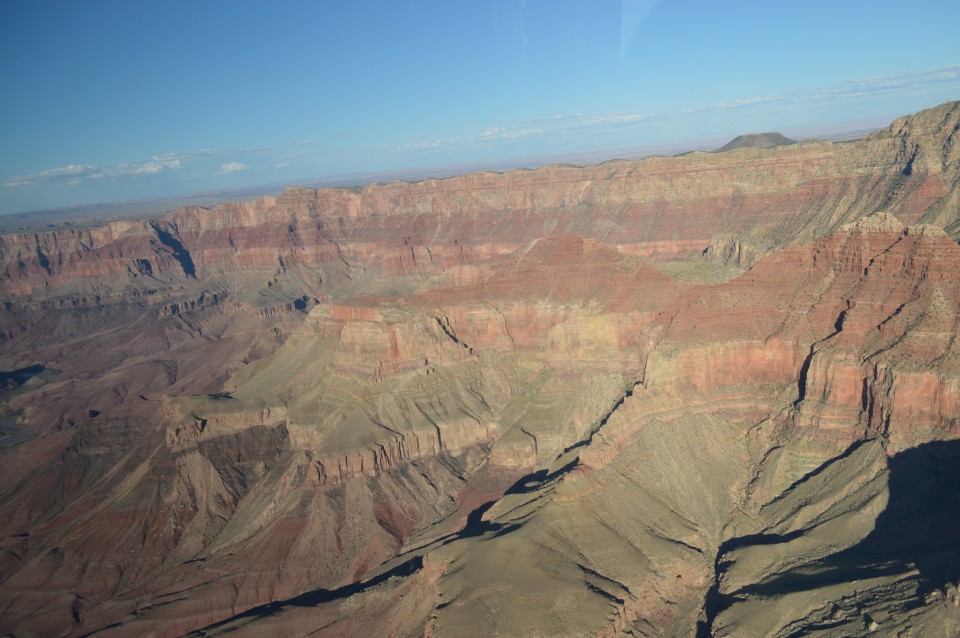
x: 708, y: 395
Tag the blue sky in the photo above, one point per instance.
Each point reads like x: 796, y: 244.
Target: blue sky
x: 105, y: 101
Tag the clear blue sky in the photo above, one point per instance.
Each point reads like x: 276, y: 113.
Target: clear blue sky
x: 111, y: 100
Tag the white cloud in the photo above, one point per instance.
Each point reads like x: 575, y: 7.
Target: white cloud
x: 891, y: 83
x: 493, y: 132
x: 586, y: 124
x: 856, y: 88
x: 548, y: 125
x: 431, y: 145
x: 735, y: 104
x: 324, y: 139
x: 748, y: 101
x: 74, y: 174
x: 580, y: 121
x: 611, y: 119
x: 152, y: 168
x: 504, y: 133
x: 232, y: 167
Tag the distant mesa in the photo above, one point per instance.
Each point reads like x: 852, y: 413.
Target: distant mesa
x: 756, y: 140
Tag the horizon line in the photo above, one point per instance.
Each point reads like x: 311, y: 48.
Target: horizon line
x: 117, y: 210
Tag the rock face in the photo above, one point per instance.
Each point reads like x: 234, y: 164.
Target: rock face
x: 716, y: 394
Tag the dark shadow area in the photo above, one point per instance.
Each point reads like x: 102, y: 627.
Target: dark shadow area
x: 527, y: 483
x: 475, y: 518
x: 839, y: 568
x: 603, y: 421
x: 805, y: 368
x: 11, y: 432
x: 734, y: 543
x: 44, y: 261
x: 802, y: 377
x: 450, y: 334
x: 535, y: 480
x: 179, y: 251
x: 476, y: 526
x: 320, y: 596
x: 921, y: 523
x: 18, y: 377
x: 908, y: 167
x: 920, y: 528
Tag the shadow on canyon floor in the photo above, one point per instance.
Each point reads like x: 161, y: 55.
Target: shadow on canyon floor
x: 16, y: 378
x: 920, y: 528
x: 318, y: 596
x: 474, y: 526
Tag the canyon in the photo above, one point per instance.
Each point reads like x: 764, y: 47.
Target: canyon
x: 716, y: 394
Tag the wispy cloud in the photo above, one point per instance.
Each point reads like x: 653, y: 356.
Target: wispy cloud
x: 884, y: 84
x: 493, y: 132
x: 63, y: 173
x: 504, y: 133
x: 232, y: 167
x: 205, y: 152
x: 891, y: 83
x: 557, y: 125
x: 734, y: 104
x: 427, y: 145
x: 323, y: 139
x: 74, y: 174
x: 583, y: 124
x: 576, y: 121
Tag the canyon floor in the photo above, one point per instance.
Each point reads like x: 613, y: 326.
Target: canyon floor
x: 715, y: 394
